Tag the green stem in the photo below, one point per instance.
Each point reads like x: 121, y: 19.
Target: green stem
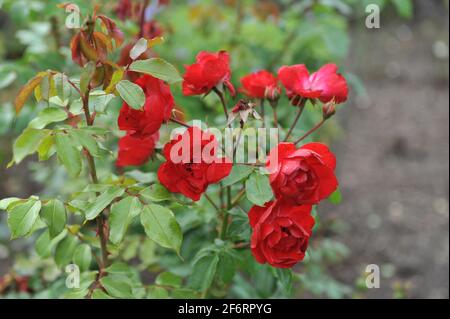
x: 263, y: 111
x: 223, y: 102
x: 301, y: 107
x: 100, y: 220
x: 315, y: 128
x: 209, y: 199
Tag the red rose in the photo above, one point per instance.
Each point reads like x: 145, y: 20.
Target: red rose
x: 261, y: 85
x: 280, y: 233
x: 302, y: 176
x: 192, y: 164
x: 209, y: 71
x: 157, y: 109
x: 325, y: 84
x: 135, y: 150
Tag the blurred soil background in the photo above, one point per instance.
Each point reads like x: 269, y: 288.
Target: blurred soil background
x: 394, y: 158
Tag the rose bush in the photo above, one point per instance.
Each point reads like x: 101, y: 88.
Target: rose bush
x: 198, y: 224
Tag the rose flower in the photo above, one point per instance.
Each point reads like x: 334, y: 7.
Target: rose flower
x: 210, y: 70
x: 191, y: 163
x: 281, y: 233
x: 325, y: 84
x: 302, y: 176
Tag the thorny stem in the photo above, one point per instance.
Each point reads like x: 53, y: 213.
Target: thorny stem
x: 301, y: 107
x: 228, y: 189
x: 93, y: 172
x: 315, y: 128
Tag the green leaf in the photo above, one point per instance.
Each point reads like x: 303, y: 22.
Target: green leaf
x: 64, y: 251
x: 161, y: 226
x: 238, y: 173
x: 117, y: 286
x: 102, y: 202
x: 184, y: 293
x: 86, y: 76
x: 168, y: 279
x: 54, y: 215
x: 22, y: 217
x: 4, y: 203
x: 336, y: 197
x: 63, y: 87
x: 27, y: 143
x: 82, y: 257
x: 100, y: 294
x: 131, y: 93
x: 157, y: 293
x: 45, y: 148
x: 258, y: 189
x: 121, y: 215
x: 239, y: 228
x: 116, y: 78
x: 140, y: 47
x: 204, y: 272
x: 86, y: 140
x: 44, y: 245
x: 156, y: 193
x: 68, y: 154
x: 158, y: 68
x: 285, y: 279
x: 226, y: 268
x: 47, y: 116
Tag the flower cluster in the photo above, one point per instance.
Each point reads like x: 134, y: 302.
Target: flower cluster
x: 302, y: 178
x: 299, y: 177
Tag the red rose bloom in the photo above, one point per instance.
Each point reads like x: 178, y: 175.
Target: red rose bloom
x: 157, y: 109
x: 302, y: 176
x: 192, y: 164
x: 281, y: 233
x: 261, y: 85
x: 325, y: 84
x: 209, y: 71
x: 135, y: 150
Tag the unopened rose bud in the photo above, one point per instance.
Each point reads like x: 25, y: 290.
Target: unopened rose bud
x: 272, y: 93
x: 328, y: 110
